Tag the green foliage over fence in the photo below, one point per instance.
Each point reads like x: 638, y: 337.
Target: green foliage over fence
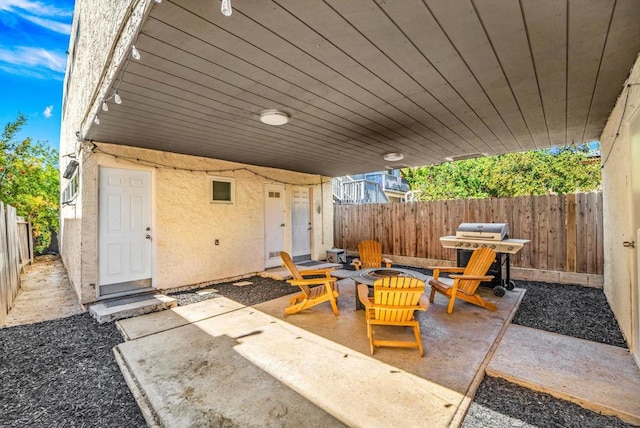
x: 29, y: 181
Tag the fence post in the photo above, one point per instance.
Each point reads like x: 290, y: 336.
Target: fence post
x: 571, y: 230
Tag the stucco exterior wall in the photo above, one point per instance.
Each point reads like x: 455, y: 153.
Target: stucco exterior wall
x: 186, y: 223
x: 98, y: 27
x: 617, y: 205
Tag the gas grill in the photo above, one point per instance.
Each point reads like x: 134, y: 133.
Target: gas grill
x: 470, y: 236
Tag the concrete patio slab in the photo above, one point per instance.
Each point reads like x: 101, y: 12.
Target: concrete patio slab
x: 135, y: 328
x: 599, y: 377
x: 251, y: 367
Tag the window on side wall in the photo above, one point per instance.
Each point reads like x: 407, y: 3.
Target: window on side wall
x: 222, y: 190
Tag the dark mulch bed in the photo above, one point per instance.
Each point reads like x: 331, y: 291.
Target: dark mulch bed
x: 501, y: 404
x: 262, y: 290
x: 571, y: 310
x: 63, y: 373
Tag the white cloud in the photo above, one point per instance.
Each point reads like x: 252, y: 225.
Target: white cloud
x: 48, y: 111
x: 37, y: 62
x: 34, y: 7
x: 49, y: 24
x: 50, y: 17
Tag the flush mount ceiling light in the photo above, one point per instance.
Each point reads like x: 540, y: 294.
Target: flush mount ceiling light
x: 274, y: 117
x: 393, y: 157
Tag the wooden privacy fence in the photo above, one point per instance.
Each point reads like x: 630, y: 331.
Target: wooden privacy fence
x: 16, y: 251
x: 565, y: 230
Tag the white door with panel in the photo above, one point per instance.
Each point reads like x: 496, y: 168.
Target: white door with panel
x: 125, y: 235
x: 301, y: 227
x: 273, y: 224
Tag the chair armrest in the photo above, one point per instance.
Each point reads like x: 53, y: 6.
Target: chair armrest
x: 311, y: 281
x: 438, y: 269
x: 472, y: 277
x: 447, y: 268
x: 363, y: 295
x: 309, y: 272
x: 357, y: 263
x: 387, y: 262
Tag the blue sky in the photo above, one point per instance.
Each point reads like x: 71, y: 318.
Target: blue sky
x: 34, y: 38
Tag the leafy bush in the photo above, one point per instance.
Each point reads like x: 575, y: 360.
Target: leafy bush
x: 30, y: 182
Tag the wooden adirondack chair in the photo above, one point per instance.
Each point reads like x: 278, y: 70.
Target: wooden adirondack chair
x: 326, y: 292
x: 465, y: 285
x: 370, y: 253
x: 395, y: 299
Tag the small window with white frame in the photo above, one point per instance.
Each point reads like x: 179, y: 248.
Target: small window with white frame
x: 222, y: 190
x: 71, y: 190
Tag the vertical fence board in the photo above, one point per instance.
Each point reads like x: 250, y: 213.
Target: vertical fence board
x: 15, y: 252
x: 565, y: 231
x: 599, y: 236
x: 5, y: 286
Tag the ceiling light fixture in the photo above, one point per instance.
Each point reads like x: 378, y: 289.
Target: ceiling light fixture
x: 393, y: 157
x: 134, y: 53
x: 226, y: 8
x: 96, y: 120
x: 105, y: 107
x: 274, y: 117
x: 116, y: 98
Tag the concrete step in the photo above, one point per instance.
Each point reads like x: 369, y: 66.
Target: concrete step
x: 130, y: 306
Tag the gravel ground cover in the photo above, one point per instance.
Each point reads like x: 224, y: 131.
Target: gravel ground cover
x: 63, y: 372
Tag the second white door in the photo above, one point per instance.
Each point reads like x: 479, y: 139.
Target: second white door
x: 301, y: 227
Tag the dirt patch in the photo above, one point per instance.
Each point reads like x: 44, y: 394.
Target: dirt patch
x: 45, y: 294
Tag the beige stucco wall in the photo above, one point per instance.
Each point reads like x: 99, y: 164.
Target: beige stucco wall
x: 617, y: 205
x: 98, y: 41
x: 186, y: 223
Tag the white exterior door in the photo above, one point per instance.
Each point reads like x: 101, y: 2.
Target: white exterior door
x: 273, y: 224
x: 301, y: 227
x: 124, y: 237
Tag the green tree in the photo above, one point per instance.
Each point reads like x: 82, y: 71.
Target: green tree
x: 552, y: 171
x: 29, y: 181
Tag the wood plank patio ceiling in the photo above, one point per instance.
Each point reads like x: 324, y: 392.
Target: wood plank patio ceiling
x: 431, y: 79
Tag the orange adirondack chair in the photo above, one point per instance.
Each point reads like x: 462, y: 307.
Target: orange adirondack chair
x: 395, y: 300
x: 370, y: 253
x: 326, y: 292
x: 465, y: 285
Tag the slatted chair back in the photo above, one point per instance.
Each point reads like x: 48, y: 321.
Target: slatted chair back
x: 396, y: 298
x: 370, y: 254
x: 479, y: 264
x: 293, y: 270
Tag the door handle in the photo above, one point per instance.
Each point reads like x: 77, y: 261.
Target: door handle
x: 282, y: 225
x: 148, y: 237
x: 628, y: 244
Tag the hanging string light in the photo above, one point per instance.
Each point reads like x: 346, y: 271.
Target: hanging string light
x: 226, y: 8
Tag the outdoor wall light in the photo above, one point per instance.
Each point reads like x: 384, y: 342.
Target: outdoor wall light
x: 393, y: 157
x: 274, y: 117
x: 70, y: 169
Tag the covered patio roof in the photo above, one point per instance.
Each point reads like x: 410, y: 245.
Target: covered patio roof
x: 434, y: 80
